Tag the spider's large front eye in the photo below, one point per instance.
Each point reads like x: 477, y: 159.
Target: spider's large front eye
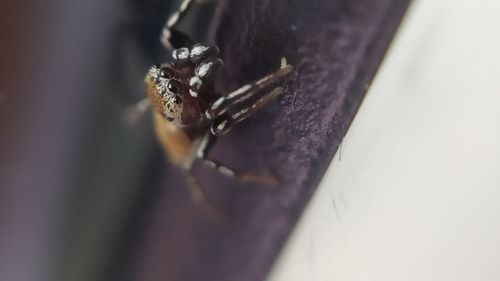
x: 166, y: 72
x: 177, y: 100
x: 174, y: 86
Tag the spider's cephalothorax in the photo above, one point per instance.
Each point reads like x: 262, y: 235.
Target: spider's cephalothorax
x: 189, y: 113
x: 182, y: 90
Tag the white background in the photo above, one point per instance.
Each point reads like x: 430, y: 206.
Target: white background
x: 415, y: 194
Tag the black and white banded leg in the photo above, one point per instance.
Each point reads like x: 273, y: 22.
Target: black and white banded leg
x: 172, y: 38
x: 225, y: 124
x: 202, y: 152
x: 223, y: 104
x: 267, y: 180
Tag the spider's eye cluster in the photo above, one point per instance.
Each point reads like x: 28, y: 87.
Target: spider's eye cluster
x: 167, y: 91
x: 174, y: 86
x: 166, y: 72
x: 177, y: 100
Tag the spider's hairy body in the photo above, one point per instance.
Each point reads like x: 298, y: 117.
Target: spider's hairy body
x: 172, y: 133
x: 188, y: 111
x: 180, y: 148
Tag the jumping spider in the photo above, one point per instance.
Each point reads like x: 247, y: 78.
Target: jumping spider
x: 189, y: 113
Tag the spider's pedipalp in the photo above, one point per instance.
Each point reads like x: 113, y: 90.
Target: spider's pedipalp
x: 200, y: 52
x: 181, y: 54
x: 207, y: 68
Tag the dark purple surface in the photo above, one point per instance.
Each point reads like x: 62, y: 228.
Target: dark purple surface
x: 84, y: 198
x: 336, y: 47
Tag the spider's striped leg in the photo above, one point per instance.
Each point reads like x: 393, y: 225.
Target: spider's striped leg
x: 221, y: 106
x: 267, y: 180
x: 202, y: 152
x: 199, y: 197
x: 172, y: 38
x: 134, y: 112
x: 223, y: 125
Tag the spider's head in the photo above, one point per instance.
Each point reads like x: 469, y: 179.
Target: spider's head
x: 182, y: 90
x: 168, y: 89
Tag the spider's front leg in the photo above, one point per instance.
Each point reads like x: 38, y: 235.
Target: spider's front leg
x: 224, y: 103
x: 172, y: 38
x: 225, y: 123
x: 202, y: 154
x: 222, y: 122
